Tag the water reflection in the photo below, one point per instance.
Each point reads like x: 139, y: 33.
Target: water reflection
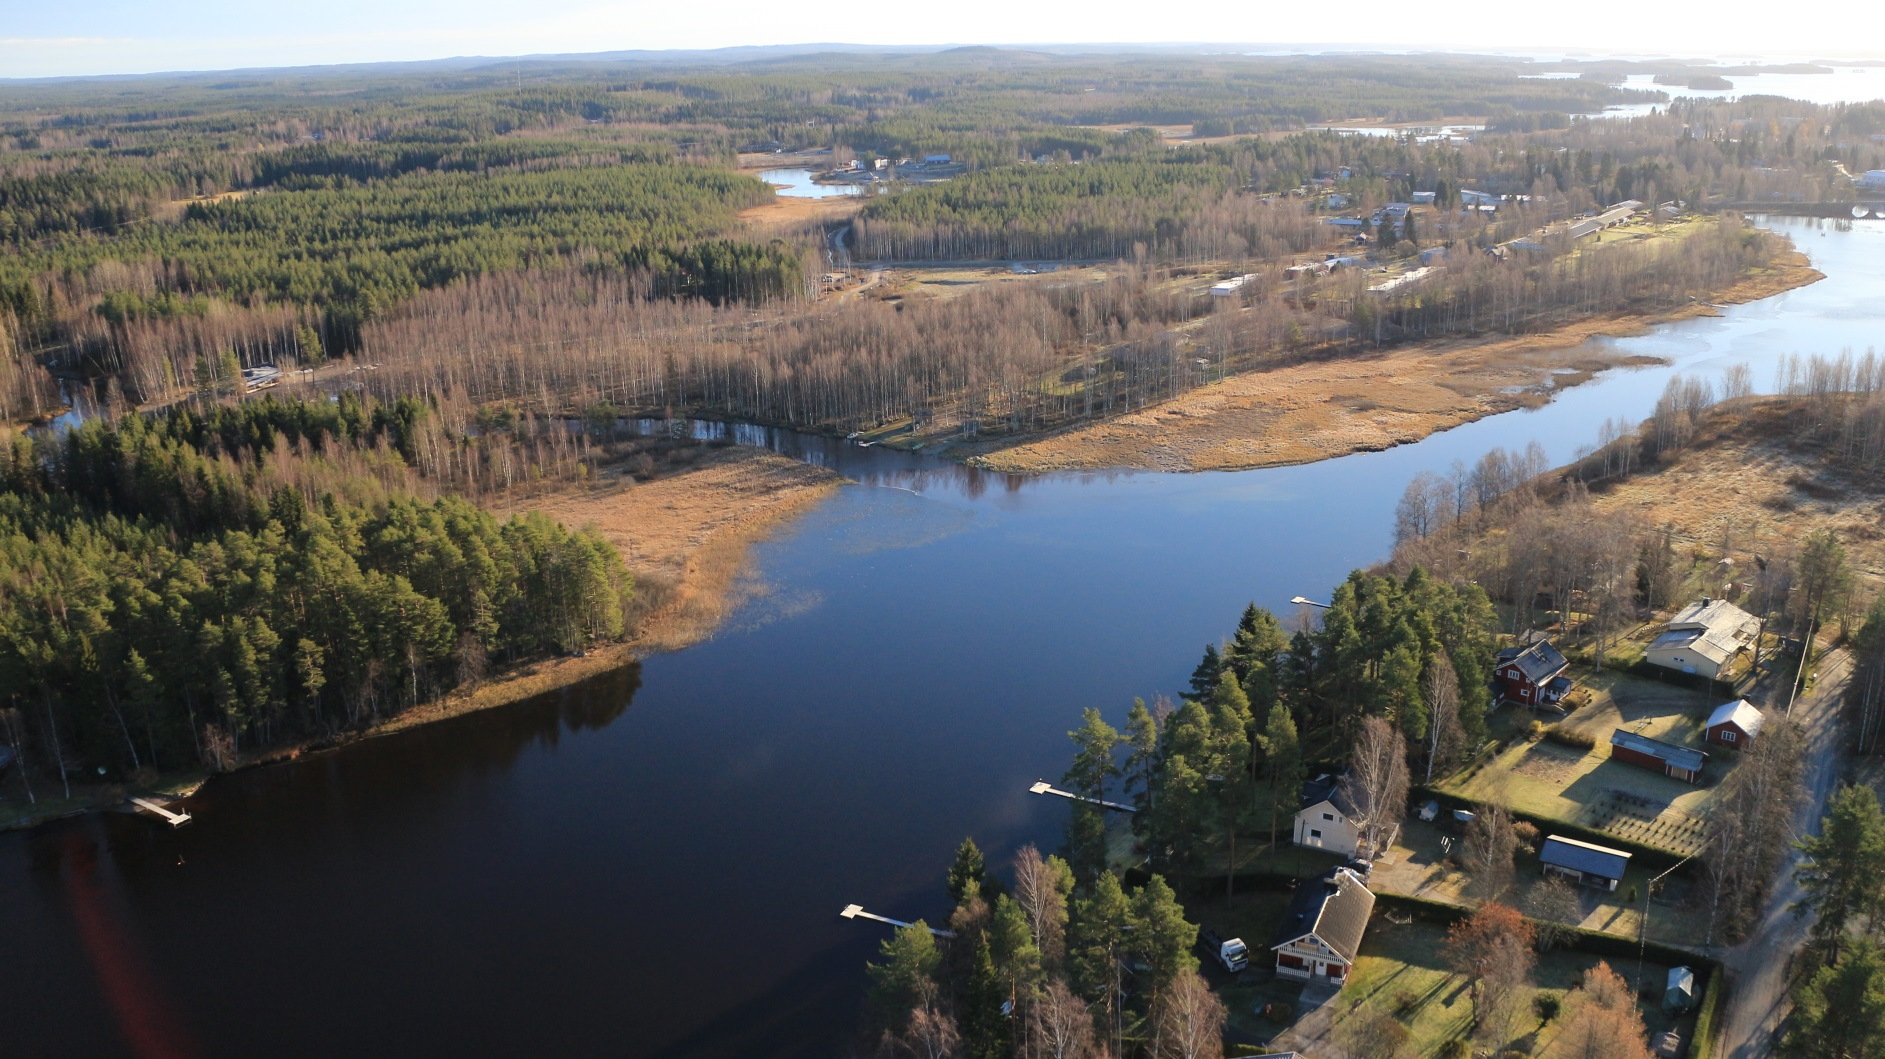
x: 573, y: 876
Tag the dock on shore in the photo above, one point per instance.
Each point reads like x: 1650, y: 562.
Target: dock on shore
x: 857, y: 912
x: 1043, y: 787
x: 174, y: 819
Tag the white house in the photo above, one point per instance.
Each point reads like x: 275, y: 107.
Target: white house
x: 1703, y: 638
x: 1321, y: 933
x: 1326, y: 819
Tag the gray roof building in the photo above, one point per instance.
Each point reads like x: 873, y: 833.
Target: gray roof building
x: 1541, y: 662
x: 1583, y: 857
x: 1679, y: 756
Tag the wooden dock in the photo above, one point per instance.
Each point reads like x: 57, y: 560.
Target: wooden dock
x: 174, y: 819
x: 1043, y: 787
x: 857, y: 912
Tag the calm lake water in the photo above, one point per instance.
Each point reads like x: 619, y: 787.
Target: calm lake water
x: 650, y: 865
x: 798, y: 184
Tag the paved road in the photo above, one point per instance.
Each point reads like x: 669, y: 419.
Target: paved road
x: 1757, y: 968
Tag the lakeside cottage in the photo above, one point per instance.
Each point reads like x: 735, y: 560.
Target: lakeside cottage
x: 1322, y: 930
x: 1676, y: 762
x: 1532, y: 674
x: 1734, y: 724
x: 1326, y: 820
x: 1584, y: 863
x: 1704, y: 638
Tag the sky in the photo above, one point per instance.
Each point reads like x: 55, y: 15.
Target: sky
x: 46, y: 38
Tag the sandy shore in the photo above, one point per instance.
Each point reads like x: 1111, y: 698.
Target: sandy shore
x: 685, y: 537
x: 1324, y: 409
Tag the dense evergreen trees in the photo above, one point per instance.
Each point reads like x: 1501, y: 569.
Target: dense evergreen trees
x: 183, y: 588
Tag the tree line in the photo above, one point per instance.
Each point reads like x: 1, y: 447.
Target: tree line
x: 182, y: 588
x: 1054, y: 967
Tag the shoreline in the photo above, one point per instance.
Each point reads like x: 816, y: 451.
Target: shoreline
x: 1325, y: 409
x: 705, y: 518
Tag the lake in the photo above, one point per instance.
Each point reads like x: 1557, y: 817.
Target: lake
x: 798, y: 184
x: 651, y: 864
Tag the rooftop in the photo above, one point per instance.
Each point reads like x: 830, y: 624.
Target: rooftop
x: 1334, y: 907
x: 1741, y: 712
x: 1540, y: 662
x: 1583, y: 856
x: 1681, y: 757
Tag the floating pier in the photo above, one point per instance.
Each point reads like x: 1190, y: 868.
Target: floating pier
x: 857, y: 912
x: 1043, y: 787
x: 174, y: 819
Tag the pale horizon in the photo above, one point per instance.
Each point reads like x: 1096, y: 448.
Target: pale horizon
x: 50, y: 41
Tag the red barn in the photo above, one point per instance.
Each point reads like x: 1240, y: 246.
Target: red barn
x: 1676, y: 762
x: 1532, y: 674
x: 1734, y: 724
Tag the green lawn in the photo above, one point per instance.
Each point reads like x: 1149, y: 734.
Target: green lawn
x: 1416, y: 867
x: 1400, y: 971
x: 1556, y: 782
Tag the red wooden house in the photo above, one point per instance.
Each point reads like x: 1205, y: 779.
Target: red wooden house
x: 1532, y: 674
x: 1734, y: 724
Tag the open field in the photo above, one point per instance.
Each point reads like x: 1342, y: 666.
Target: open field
x: 1751, y: 484
x: 1317, y: 411
x: 1587, y: 788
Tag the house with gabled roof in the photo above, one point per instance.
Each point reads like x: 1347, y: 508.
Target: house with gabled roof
x: 1321, y: 932
x: 1327, y: 819
x: 1704, y: 638
x: 1532, y: 674
x: 1676, y: 762
x: 1584, y: 863
x: 1734, y: 724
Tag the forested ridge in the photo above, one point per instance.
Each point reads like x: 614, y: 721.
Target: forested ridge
x: 185, y: 587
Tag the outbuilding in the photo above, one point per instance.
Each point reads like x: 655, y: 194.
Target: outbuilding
x: 1678, y: 994
x: 1734, y: 724
x: 1584, y: 863
x: 1676, y: 762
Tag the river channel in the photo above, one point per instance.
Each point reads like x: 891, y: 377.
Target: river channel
x: 651, y: 864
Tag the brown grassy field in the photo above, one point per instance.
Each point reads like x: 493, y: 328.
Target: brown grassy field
x: 1754, y: 482
x: 1320, y: 410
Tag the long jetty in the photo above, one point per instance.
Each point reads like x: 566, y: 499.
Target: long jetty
x: 174, y: 819
x: 1043, y: 787
x: 857, y: 912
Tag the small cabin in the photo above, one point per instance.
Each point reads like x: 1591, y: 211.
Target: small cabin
x: 1734, y: 724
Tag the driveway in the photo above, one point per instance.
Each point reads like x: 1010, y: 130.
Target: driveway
x: 1758, y: 967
